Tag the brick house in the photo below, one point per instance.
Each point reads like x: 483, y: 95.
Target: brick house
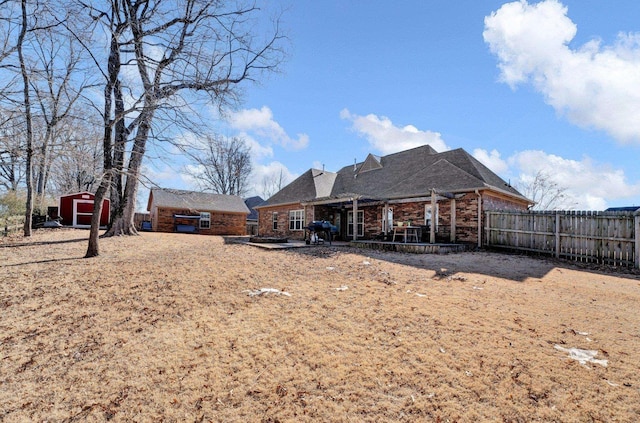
x: 174, y: 210
x: 444, y: 194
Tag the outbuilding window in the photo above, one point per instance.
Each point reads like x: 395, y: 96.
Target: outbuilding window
x: 205, y: 220
x: 296, y: 220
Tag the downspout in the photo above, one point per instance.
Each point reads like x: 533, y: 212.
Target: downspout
x: 479, y: 219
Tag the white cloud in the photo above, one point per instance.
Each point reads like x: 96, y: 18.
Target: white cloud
x: 261, y: 122
x: 589, y: 185
x: 265, y: 176
x: 387, y: 138
x: 167, y: 176
x: 491, y: 160
x: 594, y: 86
x: 258, y: 151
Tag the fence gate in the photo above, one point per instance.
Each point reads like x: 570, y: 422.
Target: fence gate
x: 611, y: 238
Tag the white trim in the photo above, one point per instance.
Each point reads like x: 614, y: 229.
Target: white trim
x: 295, y: 217
x: 74, y: 209
x: 204, y: 217
x: 427, y: 208
x: 355, y: 225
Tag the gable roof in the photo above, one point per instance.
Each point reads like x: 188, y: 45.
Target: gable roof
x: 196, y: 201
x: 405, y: 174
x: 370, y: 163
x: 312, y: 184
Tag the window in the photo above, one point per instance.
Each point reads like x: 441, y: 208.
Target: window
x: 274, y: 221
x: 387, y: 224
x: 296, y: 220
x: 205, y: 220
x: 359, y: 223
x: 428, y: 217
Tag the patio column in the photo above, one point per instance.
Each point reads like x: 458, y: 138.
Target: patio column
x: 432, y: 229
x: 479, y: 219
x: 385, y: 218
x: 452, y: 235
x: 355, y: 219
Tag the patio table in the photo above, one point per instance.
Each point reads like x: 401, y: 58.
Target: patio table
x: 408, y: 233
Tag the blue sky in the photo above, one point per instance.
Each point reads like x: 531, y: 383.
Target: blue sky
x: 523, y: 86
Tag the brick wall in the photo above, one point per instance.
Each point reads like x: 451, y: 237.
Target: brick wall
x: 265, y: 221
x: 466, y: 214
x: 467, y: 218
x: 222, y: 223
x: 494, y: 202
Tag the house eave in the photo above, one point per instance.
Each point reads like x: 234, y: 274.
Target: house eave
x: 268, y: 206
x: 341, y: 199
x: 207, y: 210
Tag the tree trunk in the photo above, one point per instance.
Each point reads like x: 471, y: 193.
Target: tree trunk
x: 121, y: 136
x: 124, y: 223
x: 27, y: 110
x: 93, y: 248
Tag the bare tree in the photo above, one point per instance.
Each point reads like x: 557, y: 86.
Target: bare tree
x: 272, y: 183
x: 11, y: 151
x: 545, y: 192
x: 77, y: 162
x: 42, y: 93
x: 57, y: 86
x: 27, y: 116
x: 112, y: 119
x: 181, y: 50
x: 222, y: 165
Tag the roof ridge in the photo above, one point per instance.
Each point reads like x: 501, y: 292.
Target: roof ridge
x: 441, y: 160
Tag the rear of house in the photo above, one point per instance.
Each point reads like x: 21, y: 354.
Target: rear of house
x: 183, y: 211
x: 444, y: 195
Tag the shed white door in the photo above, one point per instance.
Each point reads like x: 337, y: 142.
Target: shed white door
x: 82, y: 211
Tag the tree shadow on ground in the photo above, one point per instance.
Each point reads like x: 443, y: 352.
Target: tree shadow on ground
x: 36, y: 243
x: 505, y: 265
x: 17, y: 245
x: 42, y: 261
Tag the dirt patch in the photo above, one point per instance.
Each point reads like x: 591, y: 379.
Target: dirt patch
x: 163, y: 327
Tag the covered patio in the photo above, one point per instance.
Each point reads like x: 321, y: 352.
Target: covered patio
x: 368, y: 218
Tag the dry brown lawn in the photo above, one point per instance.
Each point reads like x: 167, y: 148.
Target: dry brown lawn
x: 161, y: 327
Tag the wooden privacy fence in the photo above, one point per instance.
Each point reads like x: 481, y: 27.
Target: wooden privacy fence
x: 594, y: 237
x: 12, y: 224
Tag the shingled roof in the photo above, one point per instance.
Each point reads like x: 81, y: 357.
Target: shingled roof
x: 251, y: 202
x: 196, y: 201
x: 405, y: 174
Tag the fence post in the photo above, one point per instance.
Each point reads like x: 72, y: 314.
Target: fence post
x: 636, y: 218
x: 487, y: 229
x: 557, y: 234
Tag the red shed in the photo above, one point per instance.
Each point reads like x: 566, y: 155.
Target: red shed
x: 76, y: 210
